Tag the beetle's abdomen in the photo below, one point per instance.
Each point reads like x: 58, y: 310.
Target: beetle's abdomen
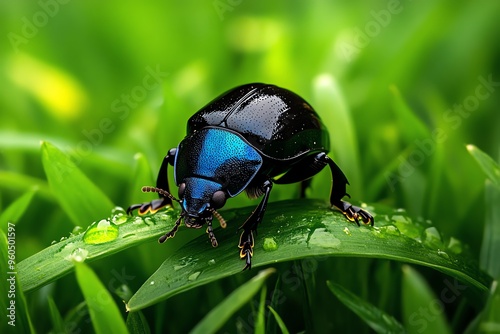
x: 277, y: 122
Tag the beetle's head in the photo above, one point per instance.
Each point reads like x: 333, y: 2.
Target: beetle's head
x: 199, y: 199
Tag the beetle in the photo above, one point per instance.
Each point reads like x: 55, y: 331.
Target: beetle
x: 247, y: 139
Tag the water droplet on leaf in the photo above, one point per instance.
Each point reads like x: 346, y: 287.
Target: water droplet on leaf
x: 455, y: 246
x: 78, y: 255
x: 270, y: 244
x: 103, y: 231
x: 194, y: 276
x: 432, y: 238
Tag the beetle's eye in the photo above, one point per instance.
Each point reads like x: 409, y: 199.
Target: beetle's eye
x: 218, y: 199
x: 182, y: 188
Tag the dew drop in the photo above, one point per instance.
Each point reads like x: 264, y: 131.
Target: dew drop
x: 118, y: 210
x: 390, y: 230
x: 322, y: 238
x: 76, y: 230
x: 211, y: 262
x: 152, y: 283
x: 184, y: 262
x: 347, y: 231
x: 101, y: 232
x: 78, y: 255
x: 443, y: 254
x: 455, y: 246
x: 120, y: 219
x: 194, y: 276
x: 270, y: 244
x: 432, y: 238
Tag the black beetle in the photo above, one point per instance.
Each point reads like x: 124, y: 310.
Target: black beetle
x: 243, y: 140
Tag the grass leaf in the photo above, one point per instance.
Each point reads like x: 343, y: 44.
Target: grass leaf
x: 413, y: 127
x: 418, y: 302
x: 81, y: 199
x: 106, y: 317
x: 377, y: 319
x: 222, y: 312
x: 55, y: 261
x: 15, y: 210
x: 55, y: 316
x: 490, y: 318
x: 279, y: 321
x: 488, y: 165
x: 490, y: 247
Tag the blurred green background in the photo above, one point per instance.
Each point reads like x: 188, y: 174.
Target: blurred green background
x: 402, y: 86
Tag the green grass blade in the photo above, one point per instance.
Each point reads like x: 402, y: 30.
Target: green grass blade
x: 16, y: 318
x: 490, y: 248
x: 329, y: 101
x: 142, y: 176
x: 418, y: 302
x: 305, y: 229
x: 222, y: 312
x: 106, y: 317
x: 137, y: 323
x: 260, y: 326
x: 55, y: 316
x: 412, y: 125
x: 488, y: 165
x: 279, y: 321
x: 81, y: 199
x: 490, y: 318
x: 377, y: 319
x: 15, y: 210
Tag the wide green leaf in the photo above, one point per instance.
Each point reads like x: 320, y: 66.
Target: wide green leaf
x: 307, y: 228
x: 377, y: 319
x: 295, y: 229
x: 81, y: 199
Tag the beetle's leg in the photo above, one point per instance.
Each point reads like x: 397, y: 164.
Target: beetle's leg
x: 162, y: 183
x: 250, y: 225
x: 339, y: 182
x: 170, y: 234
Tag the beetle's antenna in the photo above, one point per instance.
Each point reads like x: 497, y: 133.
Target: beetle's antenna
x: 148, y: 189
x: 217, y: 215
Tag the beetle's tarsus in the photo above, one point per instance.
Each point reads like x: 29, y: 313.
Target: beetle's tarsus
x: 355, y: 213
x: 246, y: 248
x: 170, y: 234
